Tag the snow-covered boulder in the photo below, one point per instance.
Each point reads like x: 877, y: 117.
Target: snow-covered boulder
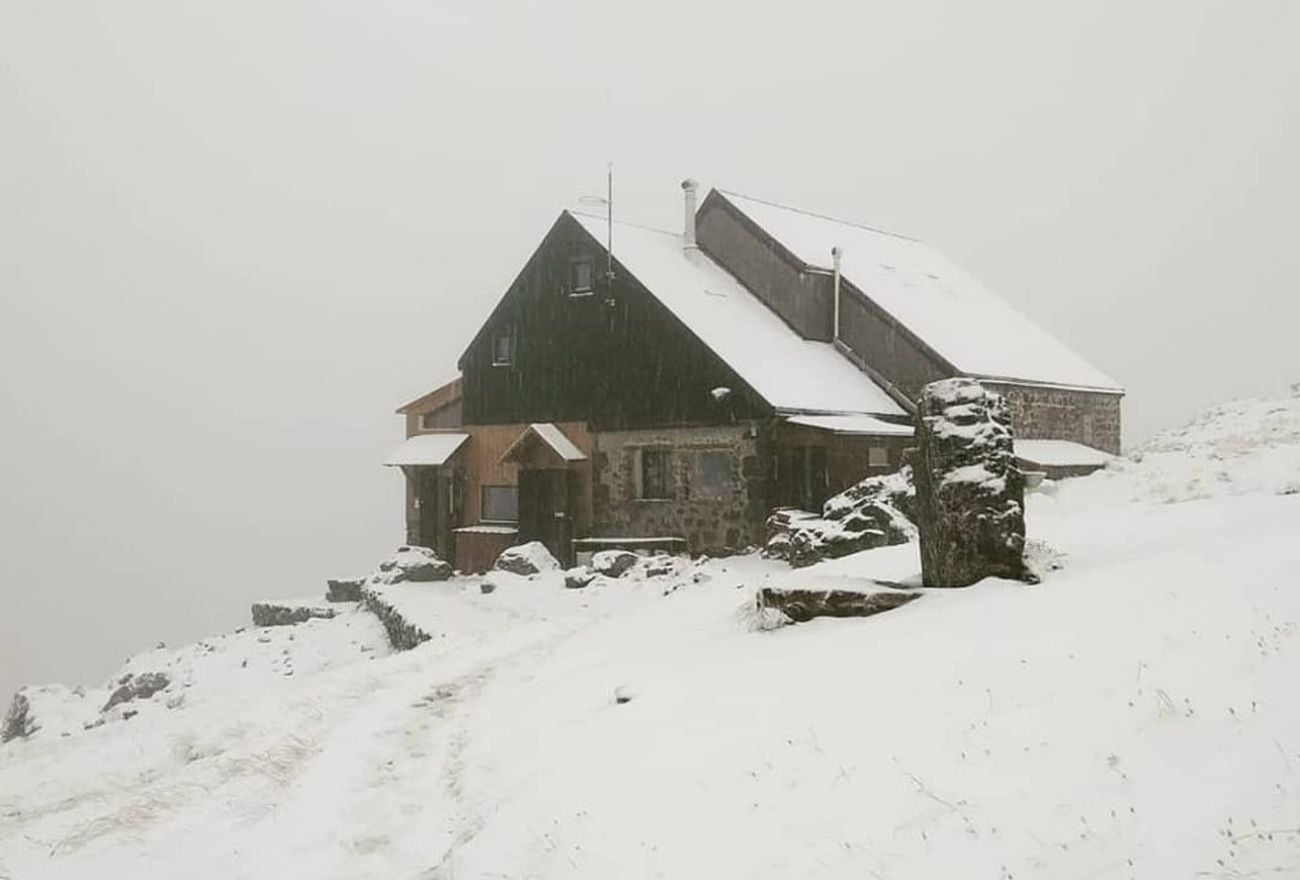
x: 579, y: 577
x: 613, y: 563
x: 970, y: 497
x: 872, y: 513
x: 136, y: 686
x: 526, y: 559
x: 801, y: 605
x: 415, y: 564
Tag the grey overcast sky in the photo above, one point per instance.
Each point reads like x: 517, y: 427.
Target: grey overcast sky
x: 235, y: 235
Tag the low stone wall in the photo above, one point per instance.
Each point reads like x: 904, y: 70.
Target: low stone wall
x: 402, y: 634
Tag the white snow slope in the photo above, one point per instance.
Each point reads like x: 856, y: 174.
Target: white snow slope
x: 1132, y: 716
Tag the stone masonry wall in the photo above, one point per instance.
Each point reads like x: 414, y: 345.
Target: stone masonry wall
x: 730, y: 516
x: 1043, y: 413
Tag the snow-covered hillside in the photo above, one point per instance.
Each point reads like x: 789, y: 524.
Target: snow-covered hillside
x: 1132, y: 716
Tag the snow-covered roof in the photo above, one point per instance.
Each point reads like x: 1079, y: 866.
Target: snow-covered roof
x: 428, y: 450
x: 553, y: 437
x: 948, y: 310
x: 1060, y: 453
x: 852, y: 424
x: 789, y: 372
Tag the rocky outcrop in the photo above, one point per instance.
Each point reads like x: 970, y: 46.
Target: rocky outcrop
x: 415, y: 564
x: 526, y: 559
x: 344, y: 589
x: 274, y: 613
x: 19, y: 721
x: 875, y: 512
x: 804, y: 604
x: 139, y: 686
x: 969, y: 492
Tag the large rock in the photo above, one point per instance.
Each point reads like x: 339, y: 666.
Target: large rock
x: 613, y: 563
x: 804, y: 604
x: 415, y: 564
x: 872, y: 513
x: 287, y: 613
x: 344, y: 589
x: 970, y: 497
x: 525, y: 559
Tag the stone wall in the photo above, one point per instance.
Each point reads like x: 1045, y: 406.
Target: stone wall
x: 1046, y: 413
x: 730, y: 515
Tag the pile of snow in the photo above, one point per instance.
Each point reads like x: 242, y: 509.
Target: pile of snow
x: 1241, y: 447
x: 416, y: 564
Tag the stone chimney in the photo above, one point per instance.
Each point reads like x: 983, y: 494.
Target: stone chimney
x: 688, y: 228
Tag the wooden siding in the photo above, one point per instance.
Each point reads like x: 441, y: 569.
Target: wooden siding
x: 615, y: 358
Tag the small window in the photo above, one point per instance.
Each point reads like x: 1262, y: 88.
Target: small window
x: 656, y: 481
x: 878, y: 456
x: 580, y: 276
x: 428, y: 421
x: 503, y: 345
x: 713, y: 475
x: 500, y: 504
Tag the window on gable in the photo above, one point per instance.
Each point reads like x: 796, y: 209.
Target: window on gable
x: 656, y: 478
x: 503, y: 345
x: 500, y: 504
x: 580, y: 276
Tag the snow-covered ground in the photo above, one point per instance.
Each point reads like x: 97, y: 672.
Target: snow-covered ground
x: 1132, y: 716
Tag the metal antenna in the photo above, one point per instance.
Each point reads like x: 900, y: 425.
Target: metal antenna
x: 609, y: 217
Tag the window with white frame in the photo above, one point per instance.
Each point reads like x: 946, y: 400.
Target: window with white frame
x: 503, y: 345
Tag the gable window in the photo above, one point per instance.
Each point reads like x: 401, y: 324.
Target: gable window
x: 656, y: 479
x: 580, y: 276
x: 503, y: 345
x: 500, y: 504
x: 713, y: 475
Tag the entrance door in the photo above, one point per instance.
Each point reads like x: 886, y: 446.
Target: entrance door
x: 544, y: 510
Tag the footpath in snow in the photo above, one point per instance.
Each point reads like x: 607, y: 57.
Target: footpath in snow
x: 1131, y: 716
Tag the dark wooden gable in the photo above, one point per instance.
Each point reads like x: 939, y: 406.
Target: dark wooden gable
x: 611, y: 355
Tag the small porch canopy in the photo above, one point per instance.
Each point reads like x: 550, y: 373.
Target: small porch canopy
x: 852, y: 424
x: 426, y: 450
x: 547, y: 438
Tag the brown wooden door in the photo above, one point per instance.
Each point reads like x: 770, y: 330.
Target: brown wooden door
x: 544, y: 510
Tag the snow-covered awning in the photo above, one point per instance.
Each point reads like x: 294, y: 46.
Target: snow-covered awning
x: 551, y: 437
x: 852, y: 424
x: 1060, y: 453
x: 426, y: 450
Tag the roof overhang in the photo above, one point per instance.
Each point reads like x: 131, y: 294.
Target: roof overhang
x: 426, y: 450
x: 851, y: 424
x: 1060, y: 453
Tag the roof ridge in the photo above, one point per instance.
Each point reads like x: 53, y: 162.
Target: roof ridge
x: 876, y: 229
x: 602, y: 217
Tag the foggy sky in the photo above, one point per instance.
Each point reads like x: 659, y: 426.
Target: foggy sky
x: 235, y: 236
